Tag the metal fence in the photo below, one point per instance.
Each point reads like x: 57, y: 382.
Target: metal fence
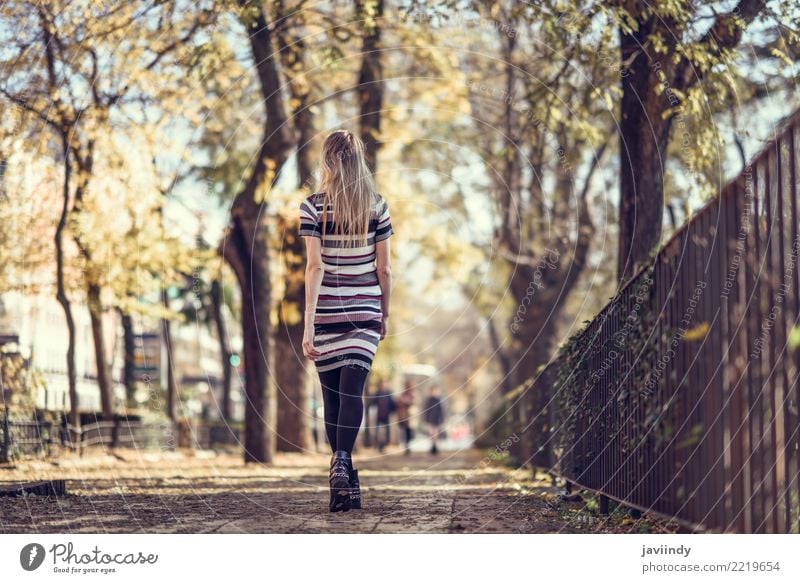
x: 681, y: 396
x: 22, y: 438
x: 25, y: 438
x: 119, y: 433
x: 220, y: 434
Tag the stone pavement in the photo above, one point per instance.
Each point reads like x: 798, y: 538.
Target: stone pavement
x: 203, y: 492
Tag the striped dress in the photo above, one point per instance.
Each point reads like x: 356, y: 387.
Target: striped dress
x: 347, y: 322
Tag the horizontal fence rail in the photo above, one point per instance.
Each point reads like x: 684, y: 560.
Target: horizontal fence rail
x: 681, y: 396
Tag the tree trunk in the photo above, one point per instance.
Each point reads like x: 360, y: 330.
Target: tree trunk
x: 506, y: 368
x: 61, y: 293
x: 103, y: 374
x: 247, y: 247
x: 84, y: 157
x: 644, y: 130
x: 542, y: 291
x: 129, y: 368
x: 534, y: 325
x: 172, y: 388
x: 370, y: 80
x: 534, y: 342
x: 252, y: 271
x: 290, y: 365
x: 538, y: 344
x: 217, y: 301
x: 370, y: 98
x: 292, y: 390
x: 643, y: 143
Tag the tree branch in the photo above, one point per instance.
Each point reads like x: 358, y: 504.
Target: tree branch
x: 724, y: 34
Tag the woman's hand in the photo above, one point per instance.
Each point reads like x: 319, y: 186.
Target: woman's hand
x: 384, y: 326
x: 308, y: 344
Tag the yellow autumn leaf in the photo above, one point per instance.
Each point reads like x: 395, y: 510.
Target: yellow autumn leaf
x: 697, y: 333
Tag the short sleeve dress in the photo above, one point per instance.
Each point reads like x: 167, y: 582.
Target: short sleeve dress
x: 347, y: 321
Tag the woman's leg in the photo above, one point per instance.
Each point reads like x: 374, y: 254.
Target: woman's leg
x: 351, y: 406
x: 331, y: 403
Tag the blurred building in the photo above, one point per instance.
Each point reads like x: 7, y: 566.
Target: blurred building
x: 39, y: 325
x: 36, y: 324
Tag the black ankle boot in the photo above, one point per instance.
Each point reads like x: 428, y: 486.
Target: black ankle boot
x: 339, y: 480
x: 355, y: 489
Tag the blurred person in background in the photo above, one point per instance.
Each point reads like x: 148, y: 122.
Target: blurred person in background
x: 385, y: 404
x: 404, y: 404
x: 434, y: 417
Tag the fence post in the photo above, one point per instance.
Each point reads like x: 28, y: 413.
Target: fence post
x: 114, y: 434
x: 6, y: 440
x: 603, y: 505
x: 49, y: 441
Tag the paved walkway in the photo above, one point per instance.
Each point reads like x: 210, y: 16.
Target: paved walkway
x: 203, y: 492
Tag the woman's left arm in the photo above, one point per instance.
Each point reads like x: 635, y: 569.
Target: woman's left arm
x: 314, y: 273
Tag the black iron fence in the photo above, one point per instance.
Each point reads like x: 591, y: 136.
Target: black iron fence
x: 120, y: 433
x: 25, y: 438
x: 681, y: 396
x: 213, y: 435
x: 22, y: 438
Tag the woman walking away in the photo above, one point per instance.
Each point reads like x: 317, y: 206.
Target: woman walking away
x: 346, y: 226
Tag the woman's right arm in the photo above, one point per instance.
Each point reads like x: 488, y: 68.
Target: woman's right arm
x: 384, y: 268
x: 314, y: 274
x: 311, y: 231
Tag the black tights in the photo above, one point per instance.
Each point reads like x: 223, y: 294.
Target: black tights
x: 341, y: 395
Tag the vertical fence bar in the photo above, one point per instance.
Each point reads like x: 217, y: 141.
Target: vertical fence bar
x: 727, y: 248
x: 712, y: 272
x: 751, y: 319
x: 719, y: 277
x: 642, y: 365
x: 5, y: 446
x: 671, y: 479
x: 659, y: 388
x: 779, y: 344
x: 793, y: 441
x: 762, y: 300
x: 615, y: 331
x: 685, y: 407
x: 769, y: 371
x: 602, y: 434
x: 627, y: 372
x: 697, y: 386
x: 738, y: 347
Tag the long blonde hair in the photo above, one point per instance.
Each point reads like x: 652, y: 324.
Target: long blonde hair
x: 347, y: 185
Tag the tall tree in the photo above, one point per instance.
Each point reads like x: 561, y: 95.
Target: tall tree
x: 290, y: 365
x: 663, y: 59
x: 246, y: 243
x: 547, y: 145
x: 217, y: 298
x: 67, y: 71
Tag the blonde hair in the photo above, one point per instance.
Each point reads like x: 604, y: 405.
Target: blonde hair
x: 347, y: 185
